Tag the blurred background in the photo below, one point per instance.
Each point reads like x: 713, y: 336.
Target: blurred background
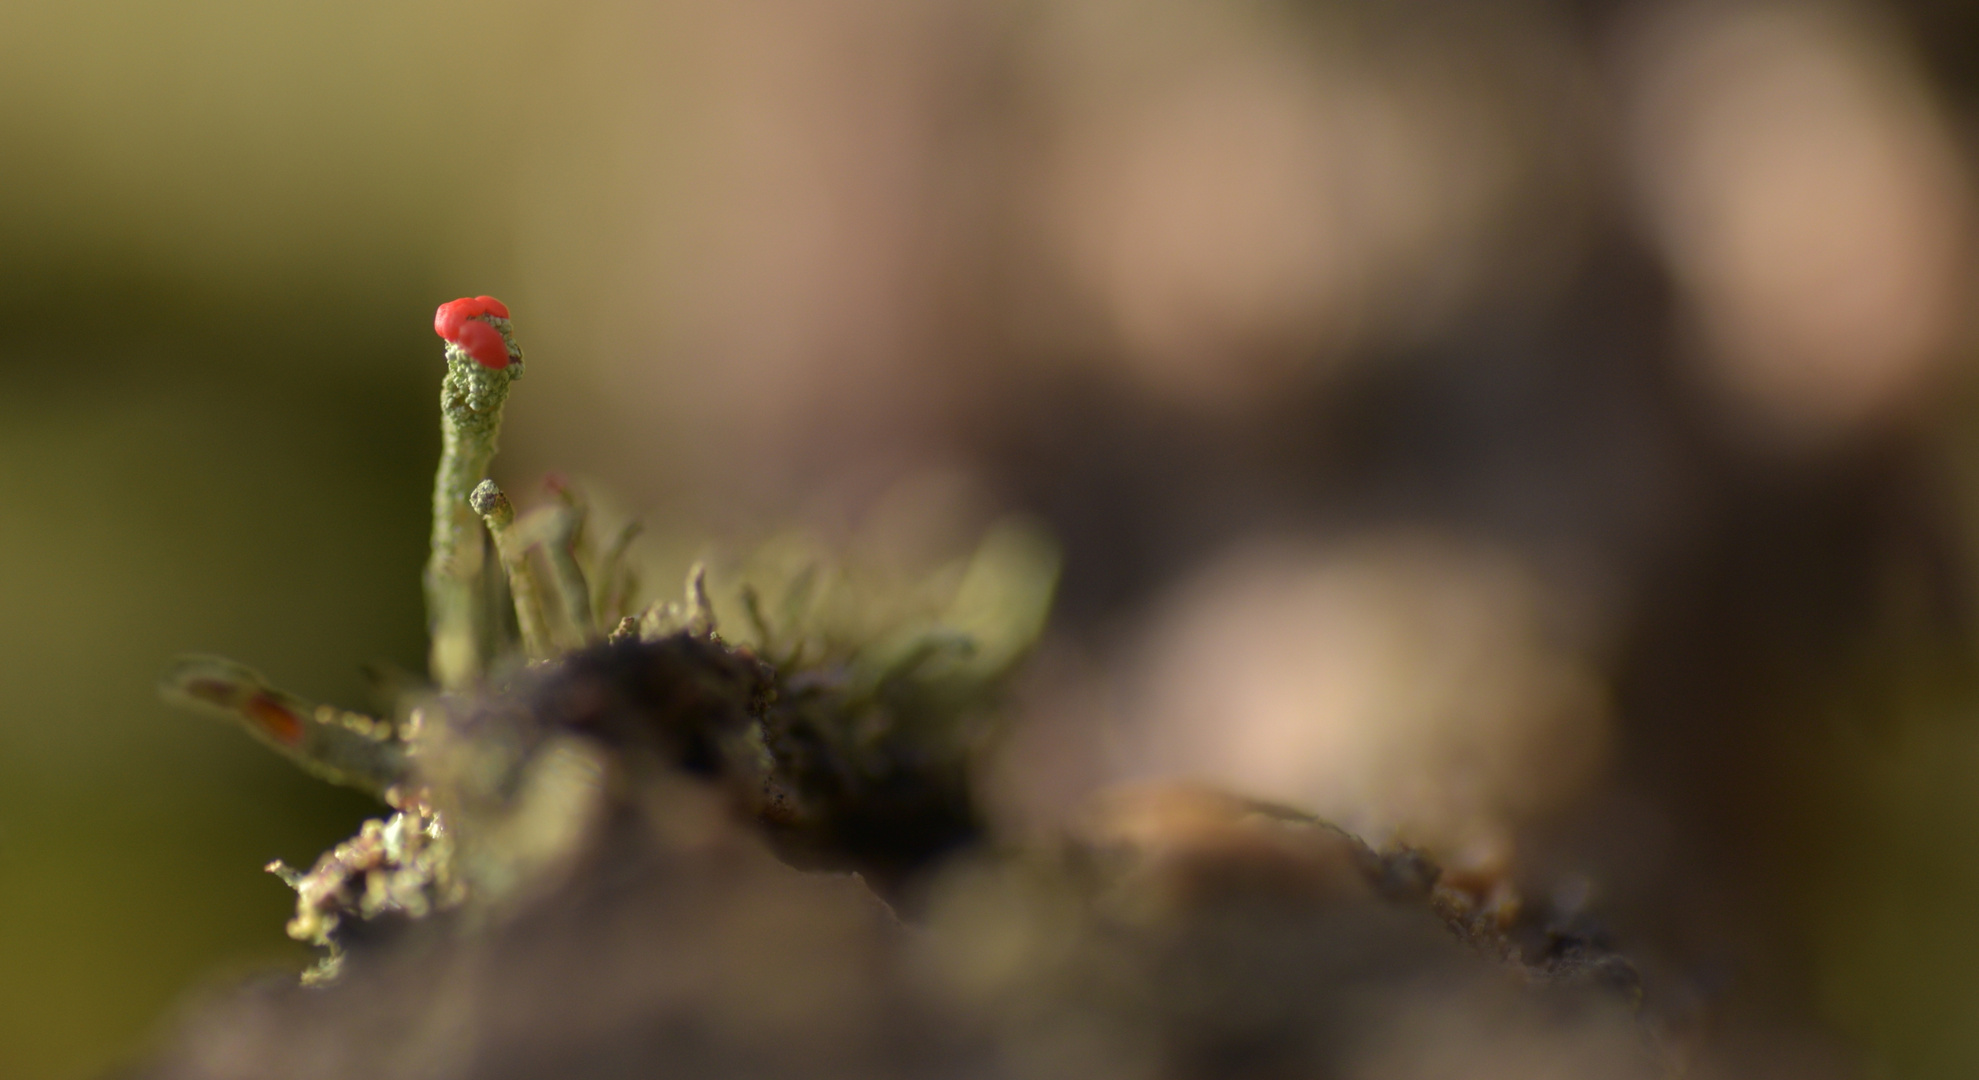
x: 1541, y: 431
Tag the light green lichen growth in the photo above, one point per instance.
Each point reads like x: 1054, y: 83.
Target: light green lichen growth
x: 402, y: 864
x: 840, y: 716
x: 459, y: 618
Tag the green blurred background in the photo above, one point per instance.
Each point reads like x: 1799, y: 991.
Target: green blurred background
x: 222, y: 227
x: 1656, y: 317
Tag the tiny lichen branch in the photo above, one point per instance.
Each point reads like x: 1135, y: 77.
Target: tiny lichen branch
x: 694, y: 617
x: 337, y: 745
x: 471, y: 397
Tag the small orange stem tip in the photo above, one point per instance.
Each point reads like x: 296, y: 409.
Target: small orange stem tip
x: 274, y: 718
x: 461, y: 322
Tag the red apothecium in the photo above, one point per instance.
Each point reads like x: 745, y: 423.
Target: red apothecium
x: 460, y: 322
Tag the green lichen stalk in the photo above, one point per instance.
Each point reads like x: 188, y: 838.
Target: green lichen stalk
x: 499, y: 515
x: 457, y: 613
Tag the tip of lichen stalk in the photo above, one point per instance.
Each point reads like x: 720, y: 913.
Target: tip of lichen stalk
x: 486, y: 498
x: 462, y: 322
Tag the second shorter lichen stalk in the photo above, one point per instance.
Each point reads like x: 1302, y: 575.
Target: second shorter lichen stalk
x: 471, y: 399
x: 499, y: 515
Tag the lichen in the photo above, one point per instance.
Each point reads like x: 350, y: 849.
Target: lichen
x: 840, y: 718
x: 604, y: 818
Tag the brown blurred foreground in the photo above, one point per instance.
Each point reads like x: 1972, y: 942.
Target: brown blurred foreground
x: 1181, y: 935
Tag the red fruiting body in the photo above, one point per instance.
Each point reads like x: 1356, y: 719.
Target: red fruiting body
x: 484, y: 343
x: 447, y: 320
x: 459, y: 321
